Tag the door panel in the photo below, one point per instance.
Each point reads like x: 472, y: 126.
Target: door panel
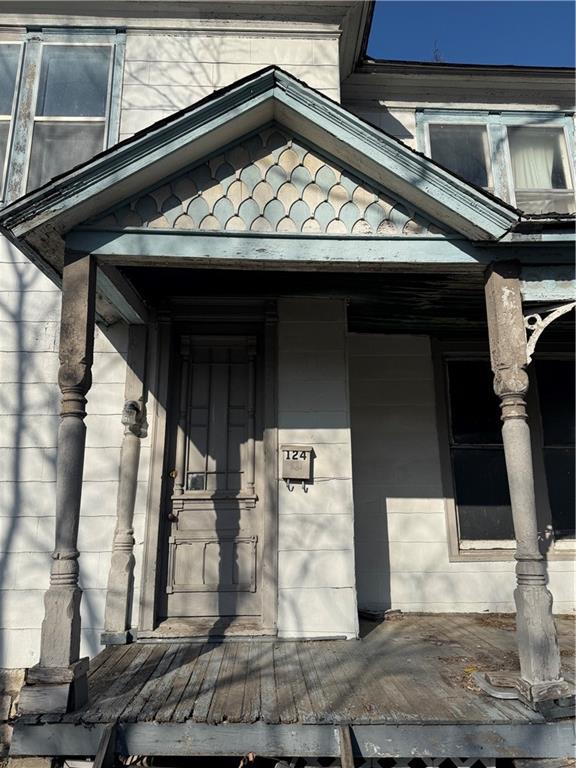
x: 213, y: 565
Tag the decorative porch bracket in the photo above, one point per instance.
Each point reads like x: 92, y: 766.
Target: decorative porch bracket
x: 535, y: 324
x: 59, y: 682
x: 119, y: 594
x: 540, y: 673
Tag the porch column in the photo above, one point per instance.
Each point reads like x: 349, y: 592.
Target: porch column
x: 536, y: 633
x: 58, y: 683
x: 119, y: 595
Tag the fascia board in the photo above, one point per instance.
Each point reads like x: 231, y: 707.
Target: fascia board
x: 398, y: 168
x: 192, y: 135
x: 126, y: 161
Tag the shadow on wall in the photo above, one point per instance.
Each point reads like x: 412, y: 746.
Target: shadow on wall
x: 29, y: 408
x: 157, y: 91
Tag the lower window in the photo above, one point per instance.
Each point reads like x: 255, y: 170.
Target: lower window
x: 484, y: 515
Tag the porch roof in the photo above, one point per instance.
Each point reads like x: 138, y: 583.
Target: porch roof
x: 40, y: 219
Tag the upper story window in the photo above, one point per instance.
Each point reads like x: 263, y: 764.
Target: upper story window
x: 524, y: 159
x: 64, y: 104
x: 540, y: 169
x: 463, y: 149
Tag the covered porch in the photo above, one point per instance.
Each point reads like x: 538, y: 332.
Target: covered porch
x: 406, y: 689
x: 199, y: 235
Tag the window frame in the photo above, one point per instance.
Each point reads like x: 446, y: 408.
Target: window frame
x: 33, y: 42
x: 497, y: 123
x: 491, y: 550
x: 11, y: 118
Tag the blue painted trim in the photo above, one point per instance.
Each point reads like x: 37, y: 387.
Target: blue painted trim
x: 502, y: 117
x: 479, y: 216
x: 24, y: 117
x: 128, y: 158
x: 496, y: 123
x: 471, y: 212
x: 154, y: 247
x: 299, y: 139
x: 121, y: 295
x: 184, y: 246
x: 116, y: 84
x: 548, y: 284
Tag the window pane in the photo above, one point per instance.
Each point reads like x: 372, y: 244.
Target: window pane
x: 555, y: 380
x: 9, y: 56
x: 474, y: 409
x: 538, y: 158
x: 462, y: 149
x: 73, y: 81
x: 56, y: 147
x: 545, y: 201
x: 4, y: 129
x: 559, y: 463
x: 482, y: 496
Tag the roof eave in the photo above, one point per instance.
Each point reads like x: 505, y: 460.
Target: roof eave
x: 270, y: 94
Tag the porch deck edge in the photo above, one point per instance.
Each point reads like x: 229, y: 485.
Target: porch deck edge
x: 514, y: 740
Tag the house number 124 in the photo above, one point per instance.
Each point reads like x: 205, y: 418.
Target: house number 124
x: 295, y: 455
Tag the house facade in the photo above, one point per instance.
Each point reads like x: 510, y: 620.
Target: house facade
x: 256, y: 293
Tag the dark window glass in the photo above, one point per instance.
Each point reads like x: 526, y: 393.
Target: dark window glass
x: 462, y: 149
x: 555, y: 379
x: 73, y: 81
x: 474, y: 408
x: 482, y: 495
x: 480, y: 480
x: 556, y: 393
x: 559, y: 463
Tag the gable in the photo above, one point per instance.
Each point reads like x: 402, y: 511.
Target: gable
x: 270, y: 182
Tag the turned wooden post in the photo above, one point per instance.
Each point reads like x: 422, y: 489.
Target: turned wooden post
x: 58, y: 683
x: 536, y: 633
x: 119, y: 594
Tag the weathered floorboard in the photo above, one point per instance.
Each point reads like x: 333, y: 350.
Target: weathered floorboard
x: 415, y: 670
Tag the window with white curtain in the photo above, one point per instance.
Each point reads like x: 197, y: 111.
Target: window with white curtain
x: 524, y: 159
x: 542, y: 179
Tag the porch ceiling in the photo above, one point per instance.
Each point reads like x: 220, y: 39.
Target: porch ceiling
x: 438, y: 304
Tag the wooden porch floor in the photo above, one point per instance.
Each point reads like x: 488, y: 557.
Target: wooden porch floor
x: 416, y: 669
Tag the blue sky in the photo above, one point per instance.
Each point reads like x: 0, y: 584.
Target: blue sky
x: 527, y: 32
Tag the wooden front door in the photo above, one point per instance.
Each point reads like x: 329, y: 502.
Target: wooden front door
x: 216, y: 506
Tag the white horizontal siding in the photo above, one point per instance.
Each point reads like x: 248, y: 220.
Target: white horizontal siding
x: 29, y: 419
x: 400, y: 519
x: 168, y: 72
x: 316, y: 578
